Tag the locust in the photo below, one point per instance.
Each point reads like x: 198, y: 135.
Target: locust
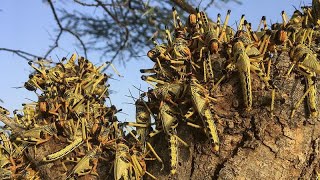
x: 143, y: 117
x: 169, y: 122
x: 243, y: 66
x: 241, y: 50
x: 201, y: 100
x: 71, y: 107
x: 86, y: 165
x: 143, y: 120
x: 38, y: 135
x: 61, y: 153
x: 168, y: 116
x: 169, y: 92
x: 307, y: 64
x: 122, y: 165
x: 138, y: 158
x: 304, y: 59
x: 7, y: 150
x: 213, y: 35
x: 178, y: 47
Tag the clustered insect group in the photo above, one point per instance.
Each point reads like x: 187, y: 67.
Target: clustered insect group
x: 71, y: 111
x: 71, y: 108
x: 184, y: 80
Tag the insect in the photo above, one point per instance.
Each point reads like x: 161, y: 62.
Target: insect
x: 86, y: 165
x: 164, y: 66
x: 40, y: 71
x: 66, y: 150
x: 201, y: 101
x: 241, y: 50
x: 29, y: 85
x: 307, y: 64
x: 167, y: 119
x: 169, y: 123
x: 139, y: 164
x: 304, y: 59
x: 159, y: 53
x: 69, y: 66
x: 7, y: 148
x: 296, y: 19
x: 71, y: 105
x: 179, y: 50
x: 151, y: 80
x: 138, y: 158
x: 122, y: 165
x: 38, y: 135
x: 14, y: 126
x: 207, y: 43
x: 169, y: 92
x: 143, y: 120
x: 211, y: 36
x: 242, y: 64
x: 191, y: 26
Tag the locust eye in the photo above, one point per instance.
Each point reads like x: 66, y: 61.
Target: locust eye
x: 153, y: 54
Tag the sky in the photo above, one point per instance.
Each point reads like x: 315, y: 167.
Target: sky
x: 30, y: 26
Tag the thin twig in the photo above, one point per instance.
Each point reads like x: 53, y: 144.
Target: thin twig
x: 61, y: 30
x: 105, y: 4
x: 120, y: 25
x: 21, y: 53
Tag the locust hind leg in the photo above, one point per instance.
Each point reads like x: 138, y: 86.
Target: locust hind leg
x: 173, y: 148
x: 211, y: 130
x: 300, y: 101
x: 94, y: 168
x: 312, y: 95
x: 155, y: 154
x: 150, y: 175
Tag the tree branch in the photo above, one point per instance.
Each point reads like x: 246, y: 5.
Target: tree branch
x: 120, y: 25
x: 184, y: 6
x: 104, y: 4
x: 61, y: 30
x: 22, y: 54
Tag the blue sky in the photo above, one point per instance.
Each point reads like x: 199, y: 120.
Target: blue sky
x: 29, y: 26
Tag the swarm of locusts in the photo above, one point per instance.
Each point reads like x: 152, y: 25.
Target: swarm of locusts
x: 69, y: 128
x: 71, y: 111
x: 184, y: 80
